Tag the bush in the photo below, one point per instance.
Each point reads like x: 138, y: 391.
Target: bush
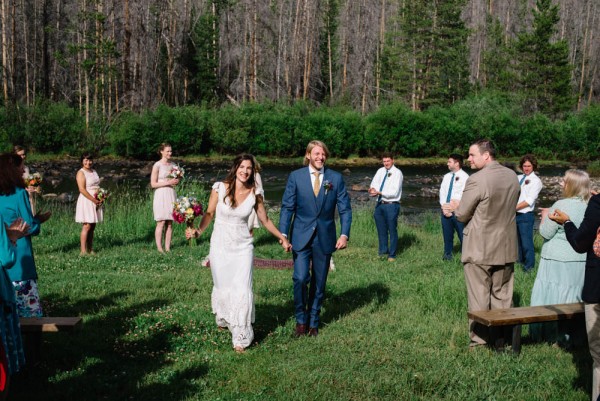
x: 279, y: 129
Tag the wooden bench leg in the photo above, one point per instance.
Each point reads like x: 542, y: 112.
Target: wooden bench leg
x: 516, y: 338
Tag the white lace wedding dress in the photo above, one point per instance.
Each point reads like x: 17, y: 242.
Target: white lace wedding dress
x: 231, y: 255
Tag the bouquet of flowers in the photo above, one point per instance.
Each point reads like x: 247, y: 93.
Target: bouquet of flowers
x: 177, y: 172
x: 102, y: 195
x: 33, y: 180
x: 186, y: 209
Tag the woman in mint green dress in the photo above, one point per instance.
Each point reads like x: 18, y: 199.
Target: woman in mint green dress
x: 561, y: 270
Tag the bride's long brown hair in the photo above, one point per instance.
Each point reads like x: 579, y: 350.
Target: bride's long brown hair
x: 230, y: 179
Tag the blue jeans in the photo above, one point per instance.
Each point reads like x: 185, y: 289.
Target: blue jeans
x: 386, y: 221
x: 525, y: 234
x: 449, y: 225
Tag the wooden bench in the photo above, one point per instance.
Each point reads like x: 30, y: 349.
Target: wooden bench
x: 49, y: 324
x: 513, y: 318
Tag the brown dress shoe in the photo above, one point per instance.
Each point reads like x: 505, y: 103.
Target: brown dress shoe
x: 313, y: 332
x: 300, y: 330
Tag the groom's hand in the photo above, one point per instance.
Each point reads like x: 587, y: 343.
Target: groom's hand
x: 342, y: 242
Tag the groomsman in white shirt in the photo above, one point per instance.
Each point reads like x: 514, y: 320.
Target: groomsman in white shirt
x: 451, y: 191
x: 531, y: 185
x: 386, y: 188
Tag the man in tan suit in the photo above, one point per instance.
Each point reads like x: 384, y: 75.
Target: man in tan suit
x: 490, y: 246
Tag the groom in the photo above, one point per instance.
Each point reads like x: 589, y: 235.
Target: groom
x: 310, y: 198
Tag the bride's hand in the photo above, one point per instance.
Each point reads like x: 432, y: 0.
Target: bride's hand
x: 191, y: 233
x: 285, y: 244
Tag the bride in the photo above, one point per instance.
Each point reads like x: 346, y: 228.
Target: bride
x: 231, y: 250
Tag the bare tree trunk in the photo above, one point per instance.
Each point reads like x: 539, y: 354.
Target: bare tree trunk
x: 25, y: 52
x: 127, y: 52
x: 254, y: 54
x: 583, y: 57
x: 379, y: 53
x: 280, y: 52
x: 4, y: 51
x: 50, y: 89
x: 307, y: 51
x: 591, y: 90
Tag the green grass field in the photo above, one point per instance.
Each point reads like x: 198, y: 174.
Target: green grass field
x: 391, y: 331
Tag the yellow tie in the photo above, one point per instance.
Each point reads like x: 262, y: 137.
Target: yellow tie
x: 317, y: 184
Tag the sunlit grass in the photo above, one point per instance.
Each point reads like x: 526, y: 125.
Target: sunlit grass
x: 391, y: 331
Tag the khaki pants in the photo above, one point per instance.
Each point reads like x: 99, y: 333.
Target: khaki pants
x: 488, y: 287
x: 592, y: 325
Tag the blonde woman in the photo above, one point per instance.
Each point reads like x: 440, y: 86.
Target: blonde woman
x: 561, y: 270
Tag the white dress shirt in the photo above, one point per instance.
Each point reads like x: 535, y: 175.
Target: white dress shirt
x: 460, y: 179
x: 530, y: 189
x: 392, y: 188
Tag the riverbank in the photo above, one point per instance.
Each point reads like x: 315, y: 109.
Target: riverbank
x: 420, y: 186
x: 290, y: 161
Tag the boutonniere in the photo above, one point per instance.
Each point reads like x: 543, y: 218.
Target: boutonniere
x: 526, y: 182
x: 456, y: 179
x: 389, y: 175
x: 327, y: 185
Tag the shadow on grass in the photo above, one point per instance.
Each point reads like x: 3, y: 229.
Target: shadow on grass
x: 269, y: 317
x: 101, y: 362
x: 339, y: 305
x: 405, y: 241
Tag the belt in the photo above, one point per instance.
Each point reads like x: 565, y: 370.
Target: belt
x: 389, y: 203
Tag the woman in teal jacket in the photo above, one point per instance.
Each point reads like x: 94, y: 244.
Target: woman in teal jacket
x: 14, y: 204
x: 10, y: 333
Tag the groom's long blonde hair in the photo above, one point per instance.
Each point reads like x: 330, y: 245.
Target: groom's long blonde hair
x: 310, y: 147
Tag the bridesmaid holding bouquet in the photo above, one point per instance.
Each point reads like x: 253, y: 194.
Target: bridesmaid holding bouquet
x: 165, y: 176
x: 89, y: 209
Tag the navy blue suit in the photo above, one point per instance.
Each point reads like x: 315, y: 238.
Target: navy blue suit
x: 309, y: 223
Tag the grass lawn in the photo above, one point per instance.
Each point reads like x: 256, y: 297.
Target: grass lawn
x: 391, y: 331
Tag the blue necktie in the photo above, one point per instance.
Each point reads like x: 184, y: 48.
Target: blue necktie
x: 382, y: 183
x: 522, y: 179
x: 450, y: 189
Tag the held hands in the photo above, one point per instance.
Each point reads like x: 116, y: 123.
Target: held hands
x: 173, y: 182
x: 191, y: 232
x: 43, y: 216
x: 373, y: 192
x: 285, y: 244
x: 449, y: 208
x: 18, y: 229
x: 559, y: 217
x: 32, y: 190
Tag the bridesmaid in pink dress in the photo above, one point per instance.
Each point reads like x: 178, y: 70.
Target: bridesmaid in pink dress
x: 164, y: 196
x: 89, y: 209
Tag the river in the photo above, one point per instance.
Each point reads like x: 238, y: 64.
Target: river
x: 419, y: 191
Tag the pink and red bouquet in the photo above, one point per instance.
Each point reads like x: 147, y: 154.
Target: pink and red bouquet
x: 177, y: 172
x: 186, y: 209
x: 102, y: 194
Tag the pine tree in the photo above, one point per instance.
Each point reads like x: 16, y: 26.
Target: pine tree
x: 498, y: 66
x: 545, y: 73
x: 425, y: 60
